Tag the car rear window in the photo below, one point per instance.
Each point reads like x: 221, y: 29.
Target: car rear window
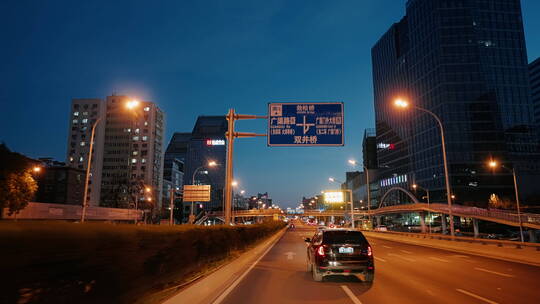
x: 343, y: 237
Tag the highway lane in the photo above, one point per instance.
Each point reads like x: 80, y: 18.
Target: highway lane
x: 404, y: 274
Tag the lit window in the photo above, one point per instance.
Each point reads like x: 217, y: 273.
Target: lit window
x: 146, y: 109
x: 137, y: 130
x: 135, y: 137
x: 75, y: 113
x: 85, y: 113
x: 75, y: 121
x: 146, y: 123
x: 81, y: 159
x: 133, y: 160
x: 83, y: 143
x: 143, y: 160
x: 71, y: 159
x: 135, y: 152
x: 85, y: 121
x: 145, y: 138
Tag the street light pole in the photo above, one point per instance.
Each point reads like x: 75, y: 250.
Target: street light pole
x: 427, y: 194
x: 446, y: 175
x: 404, y: 104
x: 171, y: 207
x: 368, y: 184
x: 87, y: 177
x: 517, y: 203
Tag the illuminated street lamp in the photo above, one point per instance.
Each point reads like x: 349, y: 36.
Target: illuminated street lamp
x: 494, y: 165
x: 132, y: 104
x: 210, y: 164
x: 36, y: 169
x: 401, y: 103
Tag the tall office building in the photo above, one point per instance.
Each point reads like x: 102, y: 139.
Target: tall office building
x: 207, y: 143
x: 466, y: 62
x: 173, y: 169
x: 132, y: 154
x: 534, y: 77
x: 82, y: 116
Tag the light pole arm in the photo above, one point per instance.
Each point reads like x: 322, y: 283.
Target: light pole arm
x: 195, y: 173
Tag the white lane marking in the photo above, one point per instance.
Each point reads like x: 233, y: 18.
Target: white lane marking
x: 405, y: 251
x: 351, y: 294
x: 402, y: 257
x: 379, y: 259
x: 476, y: 296
x: 290, y: 255
x: 495, y: 272
x: 387, y: 247
x: 233, y: 285
x: 440, y: 260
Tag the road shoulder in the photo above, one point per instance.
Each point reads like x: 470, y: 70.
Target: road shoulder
x: 210, y: 287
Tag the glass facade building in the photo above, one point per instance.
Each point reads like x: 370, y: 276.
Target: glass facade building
x: 534, y: 76
x: 207, y: 143
x: 465, y: 61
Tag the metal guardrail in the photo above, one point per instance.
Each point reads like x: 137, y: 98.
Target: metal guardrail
x: 499, y: 243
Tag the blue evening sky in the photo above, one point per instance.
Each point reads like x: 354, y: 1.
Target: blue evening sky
x: 201, y: 58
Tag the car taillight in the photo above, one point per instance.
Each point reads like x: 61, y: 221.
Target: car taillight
x: 369, y: 252
x: 320, y: 251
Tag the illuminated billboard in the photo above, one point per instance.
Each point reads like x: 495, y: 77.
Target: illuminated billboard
x: 215, y: 142
x: 334, y: 197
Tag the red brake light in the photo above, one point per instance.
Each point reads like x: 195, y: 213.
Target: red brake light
x: 369, y: 252
x: 320, y: 251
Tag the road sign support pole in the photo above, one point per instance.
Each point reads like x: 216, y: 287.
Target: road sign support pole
x: 229, y: 167
x: 232, y: 117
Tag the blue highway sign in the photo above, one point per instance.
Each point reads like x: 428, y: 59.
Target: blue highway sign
x: 305, y: 124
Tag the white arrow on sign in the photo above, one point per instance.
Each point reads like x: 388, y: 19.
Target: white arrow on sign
x: 305, y: 125
x: 290, y: 255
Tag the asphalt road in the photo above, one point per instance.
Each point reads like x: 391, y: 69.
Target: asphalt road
x: 403, y: 274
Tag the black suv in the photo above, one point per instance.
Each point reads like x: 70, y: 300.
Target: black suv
x: 339, y: 252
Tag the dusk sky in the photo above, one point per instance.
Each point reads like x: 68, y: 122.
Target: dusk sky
x: 201, y: 58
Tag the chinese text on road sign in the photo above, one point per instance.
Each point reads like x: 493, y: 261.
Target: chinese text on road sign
x: 305, y: 124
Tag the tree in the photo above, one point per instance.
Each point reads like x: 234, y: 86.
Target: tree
x: 17, y: 186
x: 497, y: 203
x: 17, y: 190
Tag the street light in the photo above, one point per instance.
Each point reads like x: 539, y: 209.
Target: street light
x: 36, y: 169
x: 88, y: 165
x: 401, y: 103
x: 494, y: 164
x: 350, y: 197
x: 132, y: 104
x: 414, y: 186
x: 368, y: 187
x: 209, y: 164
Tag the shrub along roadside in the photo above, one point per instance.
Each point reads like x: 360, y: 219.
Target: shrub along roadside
x: 51, y: 262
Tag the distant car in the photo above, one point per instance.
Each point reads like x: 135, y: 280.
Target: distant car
x: 381, y: 228
x: 339, y: 252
